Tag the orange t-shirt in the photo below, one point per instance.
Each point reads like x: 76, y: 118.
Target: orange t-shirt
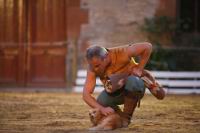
x: 121, y: 62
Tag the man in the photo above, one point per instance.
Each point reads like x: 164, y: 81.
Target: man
x: 124, y: 80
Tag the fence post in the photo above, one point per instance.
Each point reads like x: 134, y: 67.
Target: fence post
x: 71, y: 63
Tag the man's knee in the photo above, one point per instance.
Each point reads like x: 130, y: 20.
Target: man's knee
x: 102, y: 99
x: 135, y: 85
x: 108, y: 101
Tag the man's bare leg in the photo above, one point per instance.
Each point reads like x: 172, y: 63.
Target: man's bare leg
x: 154, y: 87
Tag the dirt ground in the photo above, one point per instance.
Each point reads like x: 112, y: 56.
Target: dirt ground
x: 66, y: 112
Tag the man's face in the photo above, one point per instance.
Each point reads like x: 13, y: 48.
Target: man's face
x: 98, y: 65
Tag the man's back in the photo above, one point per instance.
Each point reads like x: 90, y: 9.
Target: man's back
x: 120, y: 61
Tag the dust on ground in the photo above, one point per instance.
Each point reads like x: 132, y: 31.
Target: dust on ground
x: 66, y: 112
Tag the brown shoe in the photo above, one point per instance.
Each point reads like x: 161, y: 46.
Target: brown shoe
x: 126, y: 120
x: 155, y: 88
x: 149, y: 81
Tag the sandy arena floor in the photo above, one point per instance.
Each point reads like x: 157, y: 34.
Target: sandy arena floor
x: 64, y: 112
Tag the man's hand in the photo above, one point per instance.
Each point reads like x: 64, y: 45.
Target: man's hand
x: 106, y: 110
x: 137, y: 71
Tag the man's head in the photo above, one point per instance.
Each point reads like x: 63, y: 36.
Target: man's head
x: 97, y: 58
x: 96, y: 51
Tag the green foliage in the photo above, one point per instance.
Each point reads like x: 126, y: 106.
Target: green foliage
x: 174, y: 59
x: 159, y: 25
x: 164, y: 31
x: 160, y: 29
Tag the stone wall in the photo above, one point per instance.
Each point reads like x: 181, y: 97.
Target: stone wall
x: 113, y: 23
x: 116, y: 22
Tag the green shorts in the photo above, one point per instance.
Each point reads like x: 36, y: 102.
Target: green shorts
x: 133, y: 85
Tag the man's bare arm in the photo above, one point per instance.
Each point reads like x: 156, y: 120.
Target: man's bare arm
x: 89, y: 89
x: 143, y: 50
x: 140, y: 49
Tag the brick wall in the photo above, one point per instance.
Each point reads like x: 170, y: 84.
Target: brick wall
x: 116, y: 22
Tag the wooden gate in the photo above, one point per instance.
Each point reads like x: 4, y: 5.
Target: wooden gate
x: 33, y: 42
x: 12, y: 43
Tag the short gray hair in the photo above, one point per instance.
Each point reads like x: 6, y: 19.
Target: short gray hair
x: 96, y: 51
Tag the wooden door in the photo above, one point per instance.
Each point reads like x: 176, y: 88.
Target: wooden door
x: 12, y: 43
x: 47, y: 42
x: 33, y: 43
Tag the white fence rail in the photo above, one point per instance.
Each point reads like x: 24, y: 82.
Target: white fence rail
x: 173, y: 82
